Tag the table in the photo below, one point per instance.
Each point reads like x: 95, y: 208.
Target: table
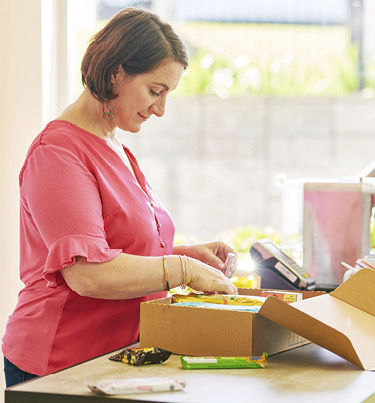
x: 304, y: 374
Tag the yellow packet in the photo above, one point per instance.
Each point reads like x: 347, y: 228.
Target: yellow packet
x: 219, y: 299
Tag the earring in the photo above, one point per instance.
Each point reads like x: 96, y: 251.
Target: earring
x: 110, y: 114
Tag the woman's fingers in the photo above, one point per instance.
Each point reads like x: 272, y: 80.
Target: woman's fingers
x: 205, y: 278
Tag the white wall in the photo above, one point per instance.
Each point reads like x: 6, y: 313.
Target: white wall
x: 219, y: 159
x: 20, y: 121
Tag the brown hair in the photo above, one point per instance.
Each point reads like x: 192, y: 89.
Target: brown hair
x: 135, y: 38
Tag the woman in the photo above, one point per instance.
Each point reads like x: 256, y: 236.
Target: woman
x: 95, y: 239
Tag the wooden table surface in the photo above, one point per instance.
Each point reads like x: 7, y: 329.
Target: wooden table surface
x: 305, y: 374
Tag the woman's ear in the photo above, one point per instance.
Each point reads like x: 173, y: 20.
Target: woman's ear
x: 118, y: 73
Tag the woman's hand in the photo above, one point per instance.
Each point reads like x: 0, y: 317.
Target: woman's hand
x: 213, y: 254
x: 202, y: 277
x: 206, y: 268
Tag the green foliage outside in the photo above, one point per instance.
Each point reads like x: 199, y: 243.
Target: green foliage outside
x: 244, y: 237
x: 271, y: 60
x: 226, y: 80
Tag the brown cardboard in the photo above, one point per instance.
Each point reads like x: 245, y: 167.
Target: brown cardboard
x: 342, y: 321
x: 212, y: 332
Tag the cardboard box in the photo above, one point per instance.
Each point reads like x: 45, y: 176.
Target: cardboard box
x: 213, y: 332
x: 342, y: 321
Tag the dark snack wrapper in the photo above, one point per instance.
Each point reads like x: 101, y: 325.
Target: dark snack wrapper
x: 142, y: 356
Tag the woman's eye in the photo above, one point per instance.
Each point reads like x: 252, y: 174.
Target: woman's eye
x: 156, y: 94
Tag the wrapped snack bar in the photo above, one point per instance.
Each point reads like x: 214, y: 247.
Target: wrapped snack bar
x: 223, y: 362
x: 199, y: 304
x: 219, y: 299
x: 142, y: 356
x: 136, y: 385
x: 286, y: 296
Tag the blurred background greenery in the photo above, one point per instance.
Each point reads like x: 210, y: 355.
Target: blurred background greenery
x: 270, y: 59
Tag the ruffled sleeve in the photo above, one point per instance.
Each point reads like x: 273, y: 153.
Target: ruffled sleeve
x: 64, y: 209
x: 64, y: 251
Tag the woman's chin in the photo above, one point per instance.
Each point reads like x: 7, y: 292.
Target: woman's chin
x: 132, y: 129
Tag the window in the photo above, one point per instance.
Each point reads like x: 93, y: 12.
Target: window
x: 271, y: 92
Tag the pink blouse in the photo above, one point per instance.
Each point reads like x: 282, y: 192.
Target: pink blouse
x: 78, y: 198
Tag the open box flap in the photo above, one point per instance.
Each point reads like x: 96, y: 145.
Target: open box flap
x: 358, y: 291
x: 317, y: 331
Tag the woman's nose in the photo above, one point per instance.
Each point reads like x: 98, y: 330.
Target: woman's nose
x: 158, y: 107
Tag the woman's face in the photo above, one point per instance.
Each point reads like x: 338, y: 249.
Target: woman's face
x: 143, y: 95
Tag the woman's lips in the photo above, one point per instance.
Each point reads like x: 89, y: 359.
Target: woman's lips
x: 143, y: 117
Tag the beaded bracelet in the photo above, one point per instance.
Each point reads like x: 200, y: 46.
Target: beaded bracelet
x: 165, y: 266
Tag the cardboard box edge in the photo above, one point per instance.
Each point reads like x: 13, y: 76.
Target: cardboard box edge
x: 295, y: 320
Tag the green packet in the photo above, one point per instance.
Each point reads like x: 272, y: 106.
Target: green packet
x: 223, y: 362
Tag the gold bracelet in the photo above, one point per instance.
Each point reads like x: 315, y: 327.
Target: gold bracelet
x: 187, y: 262
x: 165, y: 266
x: 183, y: 266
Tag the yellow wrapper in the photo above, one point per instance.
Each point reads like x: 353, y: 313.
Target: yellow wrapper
x: 219, y: 299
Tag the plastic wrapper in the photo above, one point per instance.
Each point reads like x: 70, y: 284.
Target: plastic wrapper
x: 230, y: 265
x: 286, y: 296
x: 135, y: 385
x: 246, y: 308
x: 224, y: 362
x: 219, y: 299
x: 142, y: 356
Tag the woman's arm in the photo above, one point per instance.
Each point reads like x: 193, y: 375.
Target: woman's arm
x: 129, y: 276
